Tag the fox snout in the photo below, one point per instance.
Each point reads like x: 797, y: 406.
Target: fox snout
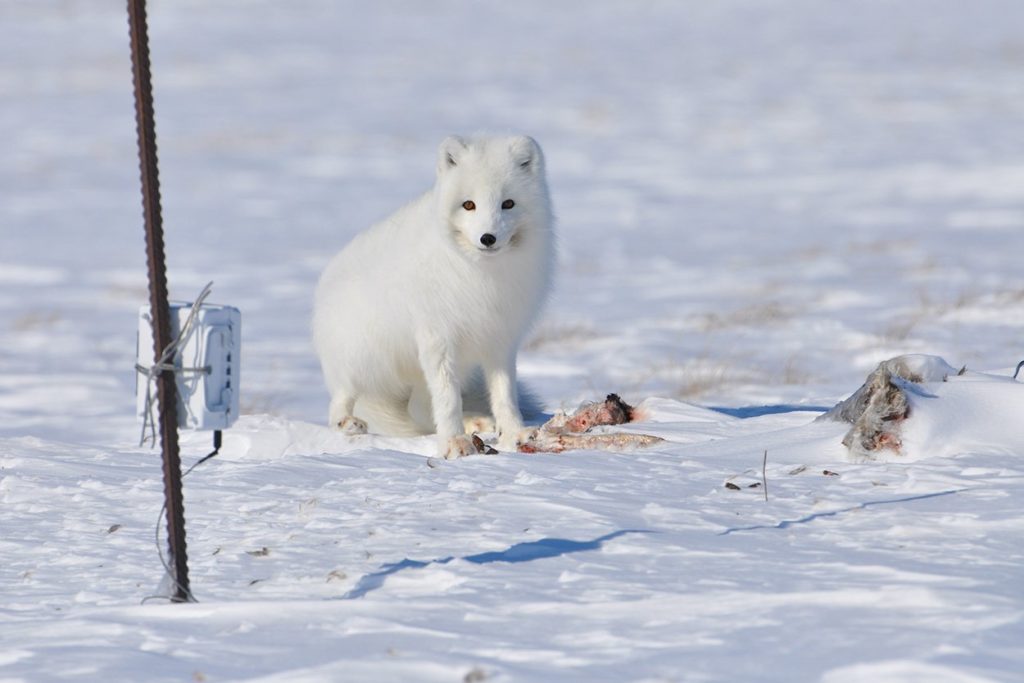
x: 492, y: 241
x: 490, y: 235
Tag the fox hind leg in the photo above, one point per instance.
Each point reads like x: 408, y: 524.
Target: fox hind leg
x: 476, y: 422
x: 341, y: 417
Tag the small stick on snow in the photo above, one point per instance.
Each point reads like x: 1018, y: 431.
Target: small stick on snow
x: 764, y: 475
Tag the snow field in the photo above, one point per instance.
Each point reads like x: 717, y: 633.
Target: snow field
x: 757, y: 203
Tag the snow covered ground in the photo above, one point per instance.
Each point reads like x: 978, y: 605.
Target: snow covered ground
x: 758, y: 202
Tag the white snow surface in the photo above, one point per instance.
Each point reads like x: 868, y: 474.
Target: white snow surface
x: 757, y: 201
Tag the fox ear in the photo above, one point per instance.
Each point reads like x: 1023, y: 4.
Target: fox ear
x: 527, y: 154
x: 449, y: 152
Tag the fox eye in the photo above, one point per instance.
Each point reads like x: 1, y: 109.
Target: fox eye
x: 468, y: 205
x: 507, y: 204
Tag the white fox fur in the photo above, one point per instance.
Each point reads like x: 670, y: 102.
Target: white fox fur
x: 443, y: 289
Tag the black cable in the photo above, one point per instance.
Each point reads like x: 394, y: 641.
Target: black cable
x: 217, y: 440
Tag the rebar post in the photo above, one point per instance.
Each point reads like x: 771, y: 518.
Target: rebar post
x: 165, y: 382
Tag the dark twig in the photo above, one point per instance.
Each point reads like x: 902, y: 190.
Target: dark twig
x: 764, y: 475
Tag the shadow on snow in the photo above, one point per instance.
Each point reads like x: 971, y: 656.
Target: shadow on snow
x: 745, y: 412
x: 542, y: 549
x: 787, y: 523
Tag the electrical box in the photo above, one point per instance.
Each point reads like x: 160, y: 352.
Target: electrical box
x: 206, y: 368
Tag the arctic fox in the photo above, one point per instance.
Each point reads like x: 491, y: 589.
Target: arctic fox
x: 440, y: 292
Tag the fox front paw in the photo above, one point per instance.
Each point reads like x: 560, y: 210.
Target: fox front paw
x: 457, y: 447
x: 351, y: 426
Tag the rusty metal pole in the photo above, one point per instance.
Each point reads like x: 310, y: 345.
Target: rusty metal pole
x: 165, y: 383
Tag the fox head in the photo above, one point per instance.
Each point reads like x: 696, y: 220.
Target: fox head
x: 491, y: 192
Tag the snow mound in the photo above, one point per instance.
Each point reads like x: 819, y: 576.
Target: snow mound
x: 269, y: 437
x: 971, y: 413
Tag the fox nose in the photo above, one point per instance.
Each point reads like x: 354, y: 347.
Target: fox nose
x: 487, y: 239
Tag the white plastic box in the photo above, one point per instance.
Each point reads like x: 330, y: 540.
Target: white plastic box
x: 210, y: 360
